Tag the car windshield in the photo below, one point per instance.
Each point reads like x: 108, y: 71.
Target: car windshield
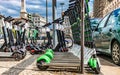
x: 117, y: 12
x: 95, y: 21
x: 117, y: 15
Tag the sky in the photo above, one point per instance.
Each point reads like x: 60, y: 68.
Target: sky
x: 12, y: 7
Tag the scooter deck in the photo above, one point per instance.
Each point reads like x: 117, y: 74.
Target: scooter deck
x: 64, y: 60
x: 6, y: 54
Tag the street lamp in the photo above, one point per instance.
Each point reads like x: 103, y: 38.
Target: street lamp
x: 53, y: 17
x: 46, y: 11
x: 62, y: 9
x: 82, y: 35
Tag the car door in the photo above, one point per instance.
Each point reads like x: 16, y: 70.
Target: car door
x: 97, y: 33
x: 106, y: 33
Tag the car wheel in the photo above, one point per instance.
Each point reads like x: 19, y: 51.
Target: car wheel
x: 116, y: 53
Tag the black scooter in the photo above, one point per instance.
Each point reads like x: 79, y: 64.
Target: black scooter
x: 20, y: 38
x: 61, y: 46
x: 33, y: 47
x: 8, y: 49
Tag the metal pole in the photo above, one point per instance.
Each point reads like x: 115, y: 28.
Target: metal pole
x: 53, y: 17
x: 62, y: 4
x: 82, y: 36
x: 62, y: 8
x: 46, y: 11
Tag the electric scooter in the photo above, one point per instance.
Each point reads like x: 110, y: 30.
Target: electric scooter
x: 49, y: 43
x: 19, y: 36
x: 61, y: 46
x: 8, y: 50
x: 34, y: 48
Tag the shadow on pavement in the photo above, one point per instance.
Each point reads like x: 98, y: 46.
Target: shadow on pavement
x: 15, y: 70
x: 105, y: 59
x: 7, y: 59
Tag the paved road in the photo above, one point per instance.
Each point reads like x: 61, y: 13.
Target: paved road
x: 108, y: 67
x: 28, y: 67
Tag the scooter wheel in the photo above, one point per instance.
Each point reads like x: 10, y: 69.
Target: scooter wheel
x: 45, y: 58
x: 32, y: 52
x: 28, y: 48
x: 97, y: 69
x: 49, y: 54
x: 93, y: 64
x: 17, y: 56
x: 49, y: 50
x: 24, y: 54
x: 65, y: 49
x: 40, y: 67
x: 6, y: 49
x: 62, y: 50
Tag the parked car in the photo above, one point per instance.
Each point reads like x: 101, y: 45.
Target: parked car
x: 107, y: 35
x: 94, y: 22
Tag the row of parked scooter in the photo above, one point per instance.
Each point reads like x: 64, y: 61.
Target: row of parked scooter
x: 14, y: 37
x: 13, y: 33
x: 34, y: 48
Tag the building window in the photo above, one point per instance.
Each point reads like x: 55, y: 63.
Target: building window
x: 36, y: 18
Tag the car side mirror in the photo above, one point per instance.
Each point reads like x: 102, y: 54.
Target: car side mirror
x: 93, y: 28
x: 96, y: 29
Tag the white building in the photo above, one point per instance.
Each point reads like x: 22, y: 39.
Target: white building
x: 38, y: 20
